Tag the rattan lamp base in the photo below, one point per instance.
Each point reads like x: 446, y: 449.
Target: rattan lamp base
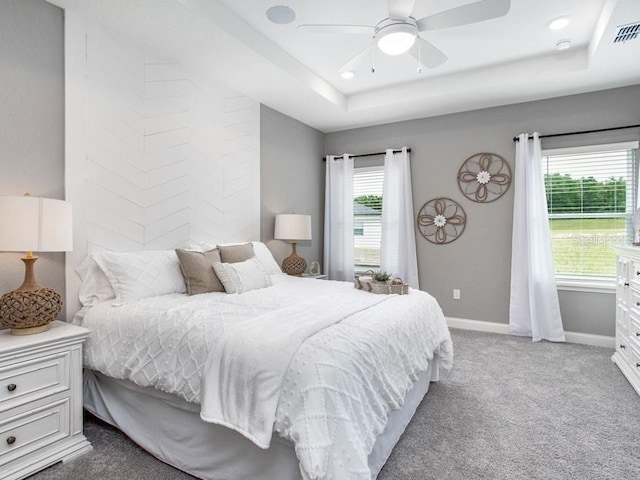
x: 294, y: 265
x: 30, y: 308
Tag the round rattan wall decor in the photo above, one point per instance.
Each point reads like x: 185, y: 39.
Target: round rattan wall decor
x: 441, y: 220
x: 484, y: 177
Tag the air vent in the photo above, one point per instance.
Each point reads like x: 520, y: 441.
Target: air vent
x: 627, y: 32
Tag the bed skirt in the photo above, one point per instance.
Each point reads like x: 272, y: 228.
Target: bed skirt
x: 171, y: 430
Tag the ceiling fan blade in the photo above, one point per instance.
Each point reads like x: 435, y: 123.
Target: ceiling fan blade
x: 427, y: 54
x: 401, y: 8
x: 328, y: 28
x: 353, y: 64
x: 472, y: 13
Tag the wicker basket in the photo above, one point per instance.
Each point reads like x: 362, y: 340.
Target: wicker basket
x: 368, y: 284
x: 364, y: 281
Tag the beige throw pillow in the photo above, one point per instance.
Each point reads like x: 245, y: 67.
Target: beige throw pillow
x: 197, y: 269
x: 236, y: 253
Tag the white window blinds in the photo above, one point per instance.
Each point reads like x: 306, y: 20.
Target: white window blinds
x: 367, y: 213
x: 590, y: 201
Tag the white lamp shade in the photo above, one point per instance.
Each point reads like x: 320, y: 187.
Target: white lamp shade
x: 291, y: 226
x: 34, y: 224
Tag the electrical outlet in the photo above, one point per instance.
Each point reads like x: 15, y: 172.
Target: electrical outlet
x: 456, y: 294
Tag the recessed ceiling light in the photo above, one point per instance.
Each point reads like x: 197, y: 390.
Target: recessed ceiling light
x: 563, y: 45
x: 559, y: 23
x: 348, y: 75
x: 281, y: 14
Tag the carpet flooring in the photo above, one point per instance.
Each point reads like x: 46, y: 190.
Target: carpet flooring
x: 509, y: 409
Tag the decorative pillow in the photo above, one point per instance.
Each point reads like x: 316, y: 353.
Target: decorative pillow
x: 137, y: 275
x: 196, y: 246
x: 260, y: 250
x: 95, y: 286
x: 236, y: 253
x: 242, y: 277
x: 266, y: 257
x: 197, y: 269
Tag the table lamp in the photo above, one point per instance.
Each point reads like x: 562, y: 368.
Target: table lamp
x: 293, y: 227
x: 29, y: 224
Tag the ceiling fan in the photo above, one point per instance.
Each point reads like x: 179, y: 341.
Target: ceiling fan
x: 400, y: 32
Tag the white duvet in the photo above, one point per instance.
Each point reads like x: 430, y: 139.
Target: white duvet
x: 335, y: 361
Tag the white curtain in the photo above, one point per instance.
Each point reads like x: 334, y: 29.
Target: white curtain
x: 534, y: 309
x: 398, y: 244
x: 338, y: 218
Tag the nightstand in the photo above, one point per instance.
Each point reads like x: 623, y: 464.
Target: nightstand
x: 40, y: 399
x: 317, y: 277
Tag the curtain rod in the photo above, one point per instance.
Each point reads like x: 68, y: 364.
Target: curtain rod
x: 324, y: 159
x: 516, y: 139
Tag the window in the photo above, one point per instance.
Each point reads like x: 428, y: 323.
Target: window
x: 590, y: 200
x: 367, y: 217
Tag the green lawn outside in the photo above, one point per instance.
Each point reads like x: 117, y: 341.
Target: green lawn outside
x: 585, y: 246
x: 580, y: 246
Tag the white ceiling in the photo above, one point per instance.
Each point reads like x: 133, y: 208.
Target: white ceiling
x: 501, y: 61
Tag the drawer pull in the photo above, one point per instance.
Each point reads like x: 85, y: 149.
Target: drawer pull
x: 623, y: 346
x: 637, y: 272
x: 626, y: 284
x: 637, y: 365
x: 637, y: 334
x: 11, y: 440
x: 11, y: 387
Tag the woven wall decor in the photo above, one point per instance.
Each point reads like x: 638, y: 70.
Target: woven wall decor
x: 484, y: 177
x: 441, y: 220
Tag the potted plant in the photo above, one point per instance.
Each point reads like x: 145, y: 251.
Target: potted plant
x: 382, y: 277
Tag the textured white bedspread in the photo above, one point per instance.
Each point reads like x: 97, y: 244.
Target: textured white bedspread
x: 337, y: 388
x: 246, y: 369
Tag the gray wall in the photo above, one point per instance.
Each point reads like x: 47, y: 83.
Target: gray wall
x: 31, y: 120
x: 292, y: 175
x: 478, y: 263
x: 291, y: 180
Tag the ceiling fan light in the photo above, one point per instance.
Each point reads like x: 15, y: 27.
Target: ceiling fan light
x: 396, y: 38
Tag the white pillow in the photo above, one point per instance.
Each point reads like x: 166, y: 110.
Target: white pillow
x: 266, y: 258
x: 196, y: 246
x: 137, y: 275
x: 95, y: 286
x: 242, y: 277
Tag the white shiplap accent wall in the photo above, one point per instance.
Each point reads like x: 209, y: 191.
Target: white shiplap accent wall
x: 156, y: 155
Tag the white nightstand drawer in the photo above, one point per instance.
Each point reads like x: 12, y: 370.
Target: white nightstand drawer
x: 34, y: 430
x: 33, y: 379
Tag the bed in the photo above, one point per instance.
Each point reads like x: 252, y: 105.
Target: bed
x: 287, y: 378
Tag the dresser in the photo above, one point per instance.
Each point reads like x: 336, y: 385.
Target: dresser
x: 40, y: 399
x: 627, y: 354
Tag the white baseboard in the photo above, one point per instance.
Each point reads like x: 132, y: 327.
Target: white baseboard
x: 503, y: 328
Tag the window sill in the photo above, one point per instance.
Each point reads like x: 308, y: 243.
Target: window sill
x: 586, y: 284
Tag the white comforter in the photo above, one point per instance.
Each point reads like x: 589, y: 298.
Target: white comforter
x: 331, y: 384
